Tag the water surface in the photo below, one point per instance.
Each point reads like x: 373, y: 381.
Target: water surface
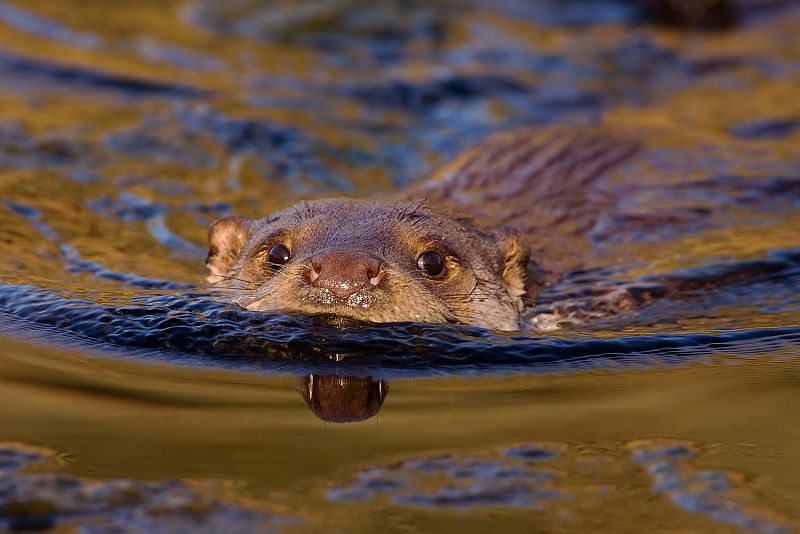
x: 126, y: 130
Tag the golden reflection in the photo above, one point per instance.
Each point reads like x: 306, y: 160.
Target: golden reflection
x: 314, y: 111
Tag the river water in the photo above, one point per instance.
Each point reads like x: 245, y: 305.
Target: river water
x: 133, y: 399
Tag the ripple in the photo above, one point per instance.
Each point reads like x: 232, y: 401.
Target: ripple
x: 192, y: 328
x: 719, y: 495
x: 42, y: 27
x: 45, y: 500
x: 583, y: 477
x: 461, y: 481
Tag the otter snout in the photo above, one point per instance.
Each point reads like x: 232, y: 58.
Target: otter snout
x: 343, y: 273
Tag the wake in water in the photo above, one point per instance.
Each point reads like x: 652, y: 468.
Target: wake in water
x: 196, y: 328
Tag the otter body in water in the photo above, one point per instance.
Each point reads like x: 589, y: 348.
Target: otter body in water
x: 373, y: 261
x: 473, y: 247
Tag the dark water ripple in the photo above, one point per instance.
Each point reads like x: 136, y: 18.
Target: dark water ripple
x: 192, y: 328
x: 74, y: 264
x: 767, y: 128
x: 14, y: 66
x: 423, y: 97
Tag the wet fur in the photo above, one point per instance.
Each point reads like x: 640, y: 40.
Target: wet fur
x: 508, y: 215
x: 484, y: 285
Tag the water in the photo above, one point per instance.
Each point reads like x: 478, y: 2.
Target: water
x: 133, y: 398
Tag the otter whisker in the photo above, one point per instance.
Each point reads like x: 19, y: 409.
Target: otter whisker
x: 233, y: 278
x: 235, y: 291
x: 252, y: 284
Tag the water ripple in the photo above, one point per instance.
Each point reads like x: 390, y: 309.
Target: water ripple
x: 195, y: 329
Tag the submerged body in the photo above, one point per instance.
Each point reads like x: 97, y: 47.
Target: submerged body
x: 470, y: 246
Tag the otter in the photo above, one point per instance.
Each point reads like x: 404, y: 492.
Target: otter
x: 472, y: 245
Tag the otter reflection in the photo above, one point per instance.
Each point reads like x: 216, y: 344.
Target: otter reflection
x: 343, y: 399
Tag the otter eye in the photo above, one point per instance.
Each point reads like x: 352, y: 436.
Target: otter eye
x: 278, y: 255
x: 432, y: 264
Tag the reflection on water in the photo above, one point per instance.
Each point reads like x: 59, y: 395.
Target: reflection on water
x: 343, y: 399
x: 662, y: 375
x: 40, y: 501
x: 536, y: 475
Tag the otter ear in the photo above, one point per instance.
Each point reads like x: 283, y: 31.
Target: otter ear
x: 515, y: 254
x: 226, y: 239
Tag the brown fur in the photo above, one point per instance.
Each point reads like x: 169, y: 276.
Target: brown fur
x: 485, y: 276
x: 538, y: 184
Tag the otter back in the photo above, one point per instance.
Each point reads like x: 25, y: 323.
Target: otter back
x: 538, y: 182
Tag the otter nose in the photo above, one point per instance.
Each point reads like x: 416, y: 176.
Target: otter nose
x: 343, y: 273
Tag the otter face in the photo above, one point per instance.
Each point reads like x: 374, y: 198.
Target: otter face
x: 372, y: 261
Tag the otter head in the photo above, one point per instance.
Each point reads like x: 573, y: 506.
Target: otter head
x: 372, y: 261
